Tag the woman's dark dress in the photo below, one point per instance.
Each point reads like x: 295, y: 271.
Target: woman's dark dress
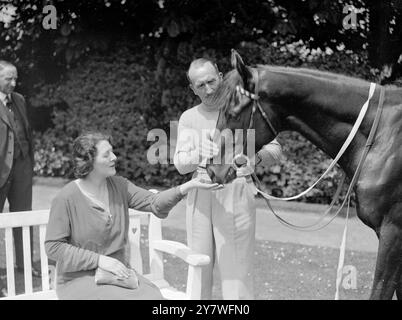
x: 78, y: 232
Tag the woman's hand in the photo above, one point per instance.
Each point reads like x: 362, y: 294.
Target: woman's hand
x: 113, y: 265
x: 199, y: 183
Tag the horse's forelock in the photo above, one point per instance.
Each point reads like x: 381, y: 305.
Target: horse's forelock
x: 226, y: 91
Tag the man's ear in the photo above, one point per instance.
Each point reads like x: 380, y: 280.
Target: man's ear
x: 242, y: 69
x: 191, y: 87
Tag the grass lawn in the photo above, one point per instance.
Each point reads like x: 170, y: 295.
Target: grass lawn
x: 283, y: 271
x: 287, y: 271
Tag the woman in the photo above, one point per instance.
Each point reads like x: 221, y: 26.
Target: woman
x: 88, y: 223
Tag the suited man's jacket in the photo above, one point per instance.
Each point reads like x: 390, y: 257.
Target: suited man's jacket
x: 7, y: 136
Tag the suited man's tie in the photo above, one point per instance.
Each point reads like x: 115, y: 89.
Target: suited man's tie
x: 9, y: 104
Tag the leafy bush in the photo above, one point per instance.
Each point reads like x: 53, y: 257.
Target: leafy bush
x: 133, y: 90
x: 52, y: 155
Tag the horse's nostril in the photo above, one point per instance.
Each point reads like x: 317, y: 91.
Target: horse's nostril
x: 231, y: 175
x: 211, y: 174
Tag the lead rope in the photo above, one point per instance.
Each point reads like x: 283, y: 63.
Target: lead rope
x: 308, y: 227
x: 342, y: 251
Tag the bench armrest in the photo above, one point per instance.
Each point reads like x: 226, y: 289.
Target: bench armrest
x: 181, y: 251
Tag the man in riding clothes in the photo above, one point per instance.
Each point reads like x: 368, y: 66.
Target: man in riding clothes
x: 220, y: 223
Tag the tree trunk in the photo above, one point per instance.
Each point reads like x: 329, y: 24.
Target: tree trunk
x: 380, y: 15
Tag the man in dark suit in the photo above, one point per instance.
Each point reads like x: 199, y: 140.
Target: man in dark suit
x: 16, y: 154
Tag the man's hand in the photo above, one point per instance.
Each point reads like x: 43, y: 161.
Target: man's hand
x: 113, y: 265
x: 208, y: 149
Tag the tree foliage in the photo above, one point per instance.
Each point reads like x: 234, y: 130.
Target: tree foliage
x: 94, y: 25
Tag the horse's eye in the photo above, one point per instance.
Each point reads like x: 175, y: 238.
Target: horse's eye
x: 238, y: 97
x: 234, y: 115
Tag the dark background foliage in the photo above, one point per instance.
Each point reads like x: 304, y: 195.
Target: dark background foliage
x: 119, y: 67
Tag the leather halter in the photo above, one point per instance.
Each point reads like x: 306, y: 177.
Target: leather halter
x: 256, y: 105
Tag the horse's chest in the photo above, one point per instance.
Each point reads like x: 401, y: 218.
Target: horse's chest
x: 380, y: 183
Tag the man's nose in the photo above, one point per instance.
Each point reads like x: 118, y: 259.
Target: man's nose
x: 208, y: 89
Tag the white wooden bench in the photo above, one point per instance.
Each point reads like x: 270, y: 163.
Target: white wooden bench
x: 156, y: 247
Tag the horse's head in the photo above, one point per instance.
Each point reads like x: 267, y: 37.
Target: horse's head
x: 237, y: 98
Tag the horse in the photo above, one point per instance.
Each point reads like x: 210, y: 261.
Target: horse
x: 323, y: 106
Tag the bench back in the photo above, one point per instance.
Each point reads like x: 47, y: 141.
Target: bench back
x: 39, y: 218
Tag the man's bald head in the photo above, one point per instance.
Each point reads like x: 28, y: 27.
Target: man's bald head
x: 204, y: 78
x: 8, y: 77
x: 5, y: 64
x: 197, y: 63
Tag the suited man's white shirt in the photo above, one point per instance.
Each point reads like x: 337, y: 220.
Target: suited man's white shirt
x: 3, y: 97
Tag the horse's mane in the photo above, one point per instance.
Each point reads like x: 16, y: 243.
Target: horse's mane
x: 318, y: 74
x: 226, y: 92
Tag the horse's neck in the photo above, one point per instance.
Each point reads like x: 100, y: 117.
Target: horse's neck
x: 323, y: 111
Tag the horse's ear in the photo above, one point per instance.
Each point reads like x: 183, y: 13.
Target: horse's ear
x: 242, y: 69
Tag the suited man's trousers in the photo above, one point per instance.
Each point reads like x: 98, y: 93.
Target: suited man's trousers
x: 18, y: 191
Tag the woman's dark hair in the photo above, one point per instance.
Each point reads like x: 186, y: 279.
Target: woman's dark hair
x: 84, y: 152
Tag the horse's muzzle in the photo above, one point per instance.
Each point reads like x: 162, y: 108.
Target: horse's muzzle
x: 221, y: 174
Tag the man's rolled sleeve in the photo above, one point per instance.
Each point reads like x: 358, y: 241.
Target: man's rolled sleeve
x: 186, y: 158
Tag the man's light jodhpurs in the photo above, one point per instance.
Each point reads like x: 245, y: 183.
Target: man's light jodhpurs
x: 221, y: 224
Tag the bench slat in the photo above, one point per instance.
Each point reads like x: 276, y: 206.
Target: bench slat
x: 27, y: 260
x: 10, y: 261
x: 155, y: 257
x: 40, y: 295
x: 43, y: 258
x: 135, y: 243
x: 23, y: 218
x: 39, y: 217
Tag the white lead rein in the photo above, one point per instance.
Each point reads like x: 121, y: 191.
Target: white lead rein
x: 341, y: 151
